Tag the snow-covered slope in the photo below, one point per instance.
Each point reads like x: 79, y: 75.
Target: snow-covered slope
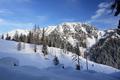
x: 28, y: 65
x: 28, y: 57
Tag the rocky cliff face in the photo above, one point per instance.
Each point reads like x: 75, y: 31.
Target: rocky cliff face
x: 66, y: 35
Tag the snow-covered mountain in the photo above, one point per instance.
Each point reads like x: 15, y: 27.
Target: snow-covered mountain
x: 78, y: 32
x: 18, y: 31
x: 67, y: 35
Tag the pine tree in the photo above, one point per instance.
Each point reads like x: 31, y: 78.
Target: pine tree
x: 76, y: 57
x: 8, y: 37
x: 44, y: 47
x: 16, y: 37
x: 86, y: 56
x: 19, y: 46
x: 36, y: 38
x: 55, y: 60
x: 35, y: 48
x: 2, y: 37
x: 30, y: 37
x: 25, y: 41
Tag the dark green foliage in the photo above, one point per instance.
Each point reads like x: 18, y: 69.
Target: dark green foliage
x: 2, y: 37
x: 8, y: 37
x: 16, y: 37
x: 30, y: 37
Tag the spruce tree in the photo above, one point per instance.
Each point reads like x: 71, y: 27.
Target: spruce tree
x: 44, y: 47
x: 19, y: 46
x: 76, y: 57
x: 56, y: 60
x: 2, y: 37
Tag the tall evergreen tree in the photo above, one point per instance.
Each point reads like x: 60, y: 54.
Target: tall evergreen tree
x: 36, y: 37
x: 44, y: 47
x: 8, y: 37
x: 16, y: 36
x: 2, y: 37
x: 30, y: 37
x: 76, y: 57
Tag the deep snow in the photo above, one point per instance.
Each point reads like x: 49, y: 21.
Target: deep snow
x: 35, y: 66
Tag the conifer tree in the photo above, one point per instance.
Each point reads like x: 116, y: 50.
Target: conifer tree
x: 56, y: 60
x: 44, y: 47
x: 76, y: 57
x: 19, y: 46
x: 2, y: 37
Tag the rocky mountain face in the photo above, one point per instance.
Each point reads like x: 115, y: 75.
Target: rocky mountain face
x: 66, y: 35
x: 107, y: 49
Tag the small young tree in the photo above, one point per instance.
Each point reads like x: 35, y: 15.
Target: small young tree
x: 19, y: 46
x: 24, y: 41
x: 55, y: 60
x: 35, y: 48
x: 76, y: 57
x: 2, y: 37
x: 86, y: 56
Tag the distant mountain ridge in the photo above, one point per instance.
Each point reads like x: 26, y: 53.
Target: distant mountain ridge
x: 69, y: 33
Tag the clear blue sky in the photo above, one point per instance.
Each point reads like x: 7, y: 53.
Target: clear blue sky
x: 23, y: 14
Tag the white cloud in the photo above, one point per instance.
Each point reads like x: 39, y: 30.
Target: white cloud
x: 99, y: 13
x: 103, y: 8
x: 103, y: 16
x: 104, y: 5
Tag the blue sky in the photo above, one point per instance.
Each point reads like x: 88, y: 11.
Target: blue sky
x: 23, y: 14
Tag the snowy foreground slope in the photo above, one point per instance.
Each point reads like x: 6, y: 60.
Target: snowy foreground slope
x: 34, y: 66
